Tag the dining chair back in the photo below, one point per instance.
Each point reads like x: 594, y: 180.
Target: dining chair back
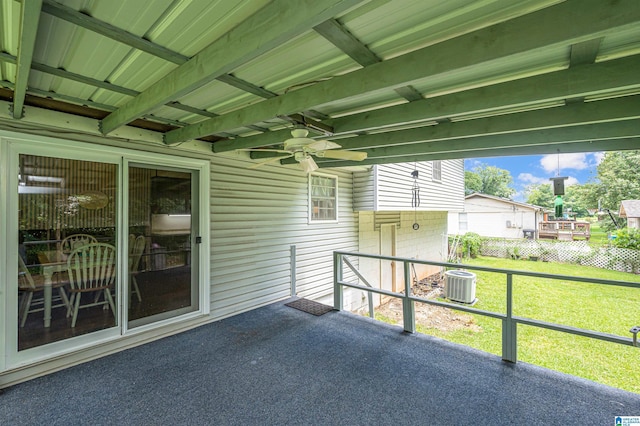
x: 91, y: 269
x: 136, y: 248
x: 28, y: 285
x: 72, y: 242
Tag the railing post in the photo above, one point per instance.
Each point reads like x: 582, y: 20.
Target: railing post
x: 371, y: 311
x: 338, y: 301
x: 293, y: 270
x: 408, y: 308
x: 509, y: 327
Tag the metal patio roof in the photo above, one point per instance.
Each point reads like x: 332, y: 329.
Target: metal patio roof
x: 403, y: 80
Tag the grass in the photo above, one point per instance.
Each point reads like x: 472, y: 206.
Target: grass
x: 598, y: 235
x: 603, y: 308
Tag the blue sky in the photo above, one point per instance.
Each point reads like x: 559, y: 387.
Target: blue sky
x: 533, y: 169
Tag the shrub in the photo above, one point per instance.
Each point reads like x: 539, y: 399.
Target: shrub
x: 471, y: 243
x: 627, y: 238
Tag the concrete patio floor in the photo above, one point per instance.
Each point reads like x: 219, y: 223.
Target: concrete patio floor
x: 277, y: 365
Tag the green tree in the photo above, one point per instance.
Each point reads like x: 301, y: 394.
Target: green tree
x: 472, y: 182
x: 489, y: 180
x: 540, y: 195
x: 618, y: 180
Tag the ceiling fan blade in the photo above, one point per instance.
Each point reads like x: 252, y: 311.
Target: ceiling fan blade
x: 342, y: 155
x: 321, y: 145
x: 264, y: 150
x: 268, y: 161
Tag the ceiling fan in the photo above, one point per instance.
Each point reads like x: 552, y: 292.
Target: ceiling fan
x: 302, y: 149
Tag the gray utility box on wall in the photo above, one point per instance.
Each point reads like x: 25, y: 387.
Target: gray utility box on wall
x: 460, y: 286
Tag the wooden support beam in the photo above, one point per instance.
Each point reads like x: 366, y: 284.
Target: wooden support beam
x: 340, y: 37
x: 29, y: 19
x: 610, y: 110
x: 585, y: 80
x: 532, y: 142
x: 267, y: 29
x: 85, y: 21
x: 543, y: 29
x: 621, y: 112
x: 550, y: 148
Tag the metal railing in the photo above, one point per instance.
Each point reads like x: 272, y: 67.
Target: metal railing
x: 509, y: 321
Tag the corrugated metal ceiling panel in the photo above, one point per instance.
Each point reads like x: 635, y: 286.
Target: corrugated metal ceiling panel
x: 387, y: 28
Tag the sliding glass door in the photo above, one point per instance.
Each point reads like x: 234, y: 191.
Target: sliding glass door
x: 67, y: 223
x: 162, y: 215
x: 99, y: 241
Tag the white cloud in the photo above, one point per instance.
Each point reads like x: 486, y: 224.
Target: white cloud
x: 576, y: 161
x: 571, y: 181
x: 597, y: 157
x: 529, y: 178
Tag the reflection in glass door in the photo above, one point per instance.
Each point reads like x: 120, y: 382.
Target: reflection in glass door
x: 161, y: 281
x: 67, y: 227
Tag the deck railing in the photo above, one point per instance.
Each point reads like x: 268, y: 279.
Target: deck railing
x: 567, y: 230
x: 509, y: 320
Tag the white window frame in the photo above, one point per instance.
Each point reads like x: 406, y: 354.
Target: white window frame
x: 436, y: 170
x: 311, y: 219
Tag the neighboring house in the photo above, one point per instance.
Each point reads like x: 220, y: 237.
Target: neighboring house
x: 491, y: 216
x: 630, y: 209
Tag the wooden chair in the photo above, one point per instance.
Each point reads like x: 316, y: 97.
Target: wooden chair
x: 91, y: 269
x: 72, y: 242
x: 28, y: 285
x: 136, y: 248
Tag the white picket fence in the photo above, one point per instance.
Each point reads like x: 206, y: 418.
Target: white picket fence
x: 579, y: 252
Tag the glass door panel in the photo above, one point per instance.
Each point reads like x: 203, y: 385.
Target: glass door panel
x: 67, y: 216
x: 161, y: 281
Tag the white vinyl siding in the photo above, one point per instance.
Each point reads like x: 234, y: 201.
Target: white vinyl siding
x: 256, y: 216
x: 364, y: 190
x: 391, y: 185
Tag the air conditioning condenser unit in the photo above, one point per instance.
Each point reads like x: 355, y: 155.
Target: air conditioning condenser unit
x: 460, y: 286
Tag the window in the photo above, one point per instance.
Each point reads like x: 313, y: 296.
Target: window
x: 436, y: 170
x: 462, y: 223
x: 323, y: 198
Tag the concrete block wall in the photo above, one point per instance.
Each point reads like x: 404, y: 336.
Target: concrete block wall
x: 426, y: 243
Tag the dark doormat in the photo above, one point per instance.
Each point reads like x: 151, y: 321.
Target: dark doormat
x: 310, y: 306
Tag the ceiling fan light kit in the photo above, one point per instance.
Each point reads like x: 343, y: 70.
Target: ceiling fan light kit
x: 306, y: 162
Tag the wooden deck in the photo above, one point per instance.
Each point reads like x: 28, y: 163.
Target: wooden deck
x: 566, y: 230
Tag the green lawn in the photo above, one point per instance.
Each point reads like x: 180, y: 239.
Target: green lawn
x: 598, y: 236
x: 602, y: 308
